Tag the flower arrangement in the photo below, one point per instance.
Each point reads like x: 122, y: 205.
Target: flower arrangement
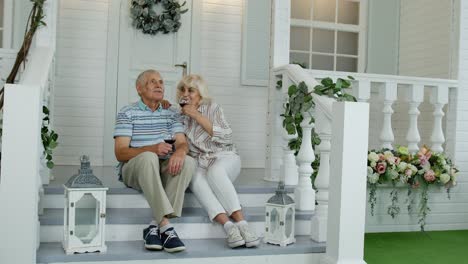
x: 416, y: 170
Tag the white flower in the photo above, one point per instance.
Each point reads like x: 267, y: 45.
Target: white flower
x: 447, y: 167
x: 369, y: 170
x: 444, y: 178
x: 413, y: 168
x: 389, y: 157
x: 402, y: 166
x: 394, y: 174
x: 373, y: 157
x: 373, y: 178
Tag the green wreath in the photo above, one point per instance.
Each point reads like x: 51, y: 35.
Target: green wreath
x: 148, y: 21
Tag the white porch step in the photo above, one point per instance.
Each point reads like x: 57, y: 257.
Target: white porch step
x: 126, y: 224
x: 253, y: 191
x: 206, y: 251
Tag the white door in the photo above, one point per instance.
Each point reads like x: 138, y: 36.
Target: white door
x: 139, y: 52
x: 132, y: 52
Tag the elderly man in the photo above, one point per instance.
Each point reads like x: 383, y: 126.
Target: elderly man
x: 151, y: 165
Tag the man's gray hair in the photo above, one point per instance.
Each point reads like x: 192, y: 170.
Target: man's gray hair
x: 142, y: 80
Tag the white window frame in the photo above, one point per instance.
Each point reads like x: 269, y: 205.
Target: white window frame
x: 361, y: 29
x: 7, y: 28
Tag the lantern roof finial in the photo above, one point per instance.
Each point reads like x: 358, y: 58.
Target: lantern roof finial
x: 281, y: 197
x: 85, y: 177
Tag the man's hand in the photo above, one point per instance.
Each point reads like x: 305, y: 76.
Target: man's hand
x: 176, y: 162
x: 162, y: 149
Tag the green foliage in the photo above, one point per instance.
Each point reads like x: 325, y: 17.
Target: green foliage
x: 335, y: 90
x: 300, y: 101
x: 49, y: 138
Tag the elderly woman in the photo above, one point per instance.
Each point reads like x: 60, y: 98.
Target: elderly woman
x: 210, y: 143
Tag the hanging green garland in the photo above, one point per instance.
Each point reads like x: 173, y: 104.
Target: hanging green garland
x: 148, y: 21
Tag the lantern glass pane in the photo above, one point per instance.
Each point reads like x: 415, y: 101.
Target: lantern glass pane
x: 289, y: 222
x: 86, y: 218
x: 274, y: 219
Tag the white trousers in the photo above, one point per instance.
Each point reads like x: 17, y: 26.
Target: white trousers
x: 213, y: 187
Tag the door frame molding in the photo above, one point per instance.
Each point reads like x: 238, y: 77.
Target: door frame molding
x: 112, y: 67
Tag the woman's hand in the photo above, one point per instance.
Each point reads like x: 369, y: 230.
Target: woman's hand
x: 191, y: 111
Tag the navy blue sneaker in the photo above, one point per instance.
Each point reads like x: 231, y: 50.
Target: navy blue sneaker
x: 152, y: 238
x: 171, y: 242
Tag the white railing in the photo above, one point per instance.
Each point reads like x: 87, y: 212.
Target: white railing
x: 348, y: 154
x: 415, y: 99
x: 22, y: 150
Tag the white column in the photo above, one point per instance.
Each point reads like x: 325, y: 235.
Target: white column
x: 347, y: 205
x: 281, y: 23
x: 20, y: 174
x: 415, y: 97
x: 320, y: 218
x: 439, y: 97
x: 304, y: 194
x: 361, y: 90
x: 389, y: 95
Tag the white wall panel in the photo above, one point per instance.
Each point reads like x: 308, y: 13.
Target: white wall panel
x: 245, y: 106
x: 80, y: 80
x: 425, y: 38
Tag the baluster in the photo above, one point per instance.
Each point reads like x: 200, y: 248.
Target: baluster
x: 320, y: 218
x: 304, y: 193
x: 289, y: 167
x: 389, y: 96
x: 415, y: 97
x: 361, y: 90
x: 439, y: 97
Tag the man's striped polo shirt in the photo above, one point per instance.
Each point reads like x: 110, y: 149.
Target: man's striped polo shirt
x: 146, y: 127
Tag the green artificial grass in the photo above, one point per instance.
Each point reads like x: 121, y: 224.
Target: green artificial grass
x: 438, y: 247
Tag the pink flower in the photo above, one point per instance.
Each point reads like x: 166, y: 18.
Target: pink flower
x: 415, y: 185
x: 381, y: 167
x: 381, y: 157
x: 429, y: 176
x: 423, y: 159
x: 408, y: 172
x: 397, y: 160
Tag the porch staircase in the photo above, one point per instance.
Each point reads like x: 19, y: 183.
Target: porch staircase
x: 128, y: 213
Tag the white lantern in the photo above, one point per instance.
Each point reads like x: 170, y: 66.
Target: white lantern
x: 280, y: 217
x: 84, y: 212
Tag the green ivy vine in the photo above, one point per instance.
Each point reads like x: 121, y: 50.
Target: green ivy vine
x: 300, y: 101
x: 49, y: 137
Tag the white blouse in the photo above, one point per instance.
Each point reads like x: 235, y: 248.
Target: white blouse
x: 202, y: 146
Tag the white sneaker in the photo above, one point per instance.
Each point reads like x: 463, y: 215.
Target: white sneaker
x: 234, y: 238
x: 249, y: 236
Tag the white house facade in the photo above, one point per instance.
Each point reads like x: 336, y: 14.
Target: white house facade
x: 410, y: 64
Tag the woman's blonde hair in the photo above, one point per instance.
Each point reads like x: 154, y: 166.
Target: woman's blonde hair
x: 194, y: 81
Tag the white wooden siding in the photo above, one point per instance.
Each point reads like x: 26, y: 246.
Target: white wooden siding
x: 78, y: 114
x: 245, y: 106
x: 425, y: 38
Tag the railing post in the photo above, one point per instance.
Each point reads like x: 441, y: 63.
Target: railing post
x: 320, y: 218
x: 439, y: 97
x: 389, y: 96
x: 347, y: 209
x: 304, y: 194
x: 415, y: 97
x: 19, y: 181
